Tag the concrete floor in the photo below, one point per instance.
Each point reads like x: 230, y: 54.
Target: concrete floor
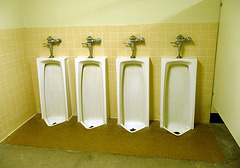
x: 12, y: 156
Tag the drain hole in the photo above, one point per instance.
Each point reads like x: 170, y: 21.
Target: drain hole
x: 54, y: 123
x: 91, y: 126
x: 176, y: 132
x: 133, y: 129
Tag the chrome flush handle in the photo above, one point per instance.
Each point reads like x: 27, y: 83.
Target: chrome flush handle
x: 50, y: 43
x: 132, y: 42
x: 90, y: 42
x: 179, y: 41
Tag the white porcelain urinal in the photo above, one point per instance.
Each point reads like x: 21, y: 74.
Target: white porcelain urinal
x: 91, y: 91
x: 54, y: 88
x: 178, y: 87
x: 133, y: 93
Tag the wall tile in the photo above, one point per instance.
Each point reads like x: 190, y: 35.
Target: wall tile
x: 17, y: 100
x: 158, y: 38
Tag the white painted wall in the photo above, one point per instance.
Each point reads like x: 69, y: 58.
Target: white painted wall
x: 46, y: 13
x: 226, y: 99
x: 11, y: 14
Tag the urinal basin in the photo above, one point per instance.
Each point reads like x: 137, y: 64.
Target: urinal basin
x: 54, y: 89
x: 91, y: 91
x: 133, y: 93
x: 178, y: 87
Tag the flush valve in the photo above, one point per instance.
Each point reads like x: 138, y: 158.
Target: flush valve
x: 179, y: 41
x: 90, y: 42
x: 132, y: 42
x: 50, y: 43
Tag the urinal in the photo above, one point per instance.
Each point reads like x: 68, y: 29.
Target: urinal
x: 133, y: 93
x: 54, y: 89
x: 178, y: 87
x: 91, y: 91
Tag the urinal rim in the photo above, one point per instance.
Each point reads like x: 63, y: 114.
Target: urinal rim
x: 52, y: 59
x: 79, y: 63
x: 190, y: 62
x: 100, y: 59
x: 41, y: 64
x: 121, y: 62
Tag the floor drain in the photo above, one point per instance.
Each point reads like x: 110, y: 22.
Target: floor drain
x: 91, y: 126
x: 176, y: 132
x: 133, y: 129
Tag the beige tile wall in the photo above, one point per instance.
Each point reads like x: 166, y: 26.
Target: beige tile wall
x: 17, y: 102
x: 158, y: 38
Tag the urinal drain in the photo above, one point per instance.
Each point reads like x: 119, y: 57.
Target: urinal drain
x: 91, y: 126
x: 176, y: 132
x: 54, y: 123
x: 133, y: 129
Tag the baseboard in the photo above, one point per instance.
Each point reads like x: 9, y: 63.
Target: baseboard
x: 18, y: 127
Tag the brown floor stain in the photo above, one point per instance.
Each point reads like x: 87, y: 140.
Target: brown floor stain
x: 199, y: 144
